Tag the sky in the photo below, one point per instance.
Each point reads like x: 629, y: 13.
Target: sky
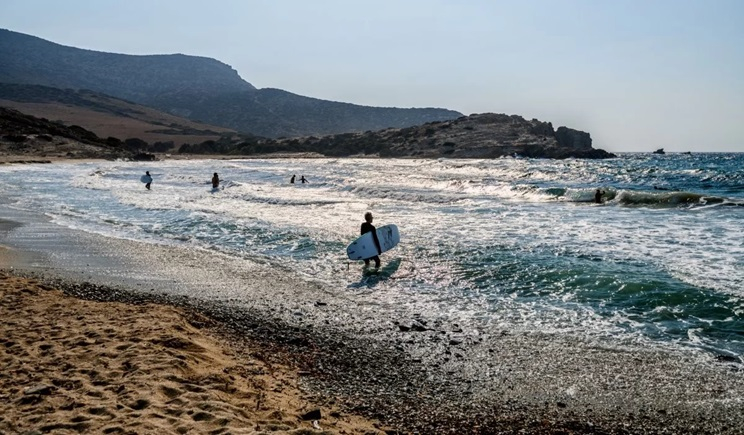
x: 636, y: 74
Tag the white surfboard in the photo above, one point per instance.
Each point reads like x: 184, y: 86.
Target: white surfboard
x: 364, y: 247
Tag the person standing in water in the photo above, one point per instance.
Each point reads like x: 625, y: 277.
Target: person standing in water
x: 215, y: 181
x: 149, y: 177
x: 302, y: 178
x: 367, y: 227
x: 598, y: 196
x: 291, y: 180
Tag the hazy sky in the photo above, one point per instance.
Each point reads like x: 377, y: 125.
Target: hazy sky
x: 637, y: 74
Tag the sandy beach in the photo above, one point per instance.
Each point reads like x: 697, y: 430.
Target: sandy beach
x: 75, y: 366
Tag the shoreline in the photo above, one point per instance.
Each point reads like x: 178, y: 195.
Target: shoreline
x: 435, y: 380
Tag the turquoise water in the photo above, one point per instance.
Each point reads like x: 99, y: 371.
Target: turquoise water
x: 506, y: 243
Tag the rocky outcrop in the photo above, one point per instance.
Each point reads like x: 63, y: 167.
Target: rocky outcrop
x: 487, y: 135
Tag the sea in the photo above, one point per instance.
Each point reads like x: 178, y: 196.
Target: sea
x: 509, y: 243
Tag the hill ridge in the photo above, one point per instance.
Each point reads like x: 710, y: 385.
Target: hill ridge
x: 199, y: 88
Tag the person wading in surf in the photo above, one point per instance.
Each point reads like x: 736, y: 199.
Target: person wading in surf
x: 215, y: 181
x: 598, y: 196
x: 147, y: 186
x: 367, y: 227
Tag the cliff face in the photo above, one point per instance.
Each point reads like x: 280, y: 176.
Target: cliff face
x: 197, y: 88
x: 568, y: 137
x: 487, y: 135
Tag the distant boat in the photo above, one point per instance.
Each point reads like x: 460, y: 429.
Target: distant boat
x: 659, y: 151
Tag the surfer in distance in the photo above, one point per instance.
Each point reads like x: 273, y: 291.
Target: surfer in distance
x: 302, y: 178
x: 598, y: 196
x: 147, y: 186
x: 215, y: 181
x: 367, y: 227
x: 291, y: 180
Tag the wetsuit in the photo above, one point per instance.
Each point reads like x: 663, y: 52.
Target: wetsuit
x: 367, y: 227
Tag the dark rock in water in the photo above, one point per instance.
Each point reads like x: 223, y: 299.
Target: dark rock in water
x: 311, y: 415
x: 659, y: 151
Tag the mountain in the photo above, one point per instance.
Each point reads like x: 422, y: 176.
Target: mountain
x: 106, y: 116
x: 31, y: 60
x: 276, y: 113
x: 197, y: 88
x: 26, y: 138
x: 486, y: 135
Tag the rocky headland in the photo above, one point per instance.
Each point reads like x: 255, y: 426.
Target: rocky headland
x: 487, y: 135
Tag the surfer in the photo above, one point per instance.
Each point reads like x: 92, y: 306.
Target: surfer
x: 215, y: 181
x: 302, y: 178
x: 149, y: 177
x: 291, y: 180
x: 367, y: 227
x: 598, y: 196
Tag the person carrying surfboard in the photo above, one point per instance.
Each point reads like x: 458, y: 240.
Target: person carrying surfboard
x: 149, y: 177
x: 366, y: 228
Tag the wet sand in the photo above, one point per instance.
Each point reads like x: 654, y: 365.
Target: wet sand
x: 413, y: 372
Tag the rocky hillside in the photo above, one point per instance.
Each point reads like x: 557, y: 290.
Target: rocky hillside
x: 487, y: 135
x: 23, y: 137
x: 31, y: 60
x: 276, y: 113
x: 197, y: 88
x: 105, y: 115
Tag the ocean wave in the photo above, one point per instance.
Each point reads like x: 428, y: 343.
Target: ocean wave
x: 650, y: 198
x: 664, y: 198
x: 413, y: 195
